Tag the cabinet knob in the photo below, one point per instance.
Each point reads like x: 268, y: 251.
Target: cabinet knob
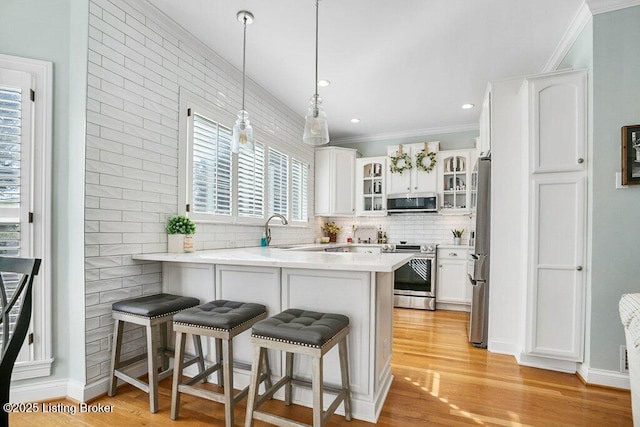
x: 453, y: 254
x: 408, y: 188
x: 579, y: 268
x: 581, y: 160
x: 440, y: 265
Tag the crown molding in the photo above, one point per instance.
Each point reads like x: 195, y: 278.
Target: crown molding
x: 579, y: 21
x: 407, y: 134
x: 604, y: 6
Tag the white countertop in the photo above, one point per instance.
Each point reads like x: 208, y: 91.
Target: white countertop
x: 303, y: 256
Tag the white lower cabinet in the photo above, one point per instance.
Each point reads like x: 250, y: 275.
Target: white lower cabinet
x: 453, y: 290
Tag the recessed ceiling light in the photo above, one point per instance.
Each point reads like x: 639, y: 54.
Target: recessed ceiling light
x: 355, y: 120
x: 323, y: 83
x: 467, y: 106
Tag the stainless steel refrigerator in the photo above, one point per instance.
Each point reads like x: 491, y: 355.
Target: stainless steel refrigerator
x: 479, y: 318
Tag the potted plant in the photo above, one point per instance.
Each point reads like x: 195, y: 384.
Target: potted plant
x: 180, y: 229
x: 332, y: 230
x: 457, y: 235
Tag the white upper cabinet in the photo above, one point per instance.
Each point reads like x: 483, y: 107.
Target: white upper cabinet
x: 556, y: 110
x: 335, y: 181
x: 370, y: 186
x: 415, y: 179
x: 454, y: 185
x: 484, y: 141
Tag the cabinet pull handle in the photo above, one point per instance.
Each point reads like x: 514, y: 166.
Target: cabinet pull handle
x: 453, y: 254
x: 579, y: 268
x: 581, y: 160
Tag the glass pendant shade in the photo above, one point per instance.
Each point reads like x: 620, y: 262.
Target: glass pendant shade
x: 316, y: 129
x: 242, y: 133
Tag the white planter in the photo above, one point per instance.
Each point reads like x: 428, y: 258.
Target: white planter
x: 175, y: 243
x: 457, y: 240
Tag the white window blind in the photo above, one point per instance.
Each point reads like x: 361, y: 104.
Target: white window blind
x: 251, y: 181
x: 10, y: 143
x: 278, y: 182
x: 299, y: 171
x: 211, y: 167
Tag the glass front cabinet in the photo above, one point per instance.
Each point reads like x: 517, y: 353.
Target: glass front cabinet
x: 455, y: 183
x: 371, y: 198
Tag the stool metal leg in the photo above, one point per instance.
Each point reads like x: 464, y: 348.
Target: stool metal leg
x: 118, y: 327
x: 289, y: 374
x: 177, y: 374
x: 153, y: 369
x: 344, y: 371
x: 253, y: 384
x: 316, y: 385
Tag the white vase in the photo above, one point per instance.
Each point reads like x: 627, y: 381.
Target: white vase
x: 457, y: 240
x: 175, y: 243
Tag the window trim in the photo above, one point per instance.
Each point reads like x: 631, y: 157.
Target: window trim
x: 40, y: 193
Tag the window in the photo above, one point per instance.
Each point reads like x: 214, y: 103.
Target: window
x: 244, y: 188
x: 278, y: 183
x: 211, y: 167
x: 25, y: 189
x: 299, y: 171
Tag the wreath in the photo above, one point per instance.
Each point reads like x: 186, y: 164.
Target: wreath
x: 420, y: 161
x: 400, y: 163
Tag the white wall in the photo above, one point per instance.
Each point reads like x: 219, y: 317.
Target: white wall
x: 138, y: 62
x: 615, y: 266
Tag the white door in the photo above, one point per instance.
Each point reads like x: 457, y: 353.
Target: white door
x: 344, y: 184
x: 555, y: 316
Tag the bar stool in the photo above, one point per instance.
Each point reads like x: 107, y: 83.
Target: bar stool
x: 148, y: 311
x: 222, y: 320
x: 307, y: 333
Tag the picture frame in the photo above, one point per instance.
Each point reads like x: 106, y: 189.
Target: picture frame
x: 631, y: 155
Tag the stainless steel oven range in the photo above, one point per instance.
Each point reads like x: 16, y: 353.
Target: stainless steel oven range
x: 415, y: 282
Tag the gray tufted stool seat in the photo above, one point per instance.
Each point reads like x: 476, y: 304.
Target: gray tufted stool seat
x: 221, y: 320
x: 148, y: 311
x: 310, y: 333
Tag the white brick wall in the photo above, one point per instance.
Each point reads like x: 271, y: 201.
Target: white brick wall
x: 137, y: 64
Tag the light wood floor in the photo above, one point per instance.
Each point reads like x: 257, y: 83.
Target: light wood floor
x: 439, y: 379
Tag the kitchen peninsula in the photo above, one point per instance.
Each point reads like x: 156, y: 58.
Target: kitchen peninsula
x: 358, y: 285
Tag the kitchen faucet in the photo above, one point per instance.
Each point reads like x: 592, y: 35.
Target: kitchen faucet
x: 267, y: 231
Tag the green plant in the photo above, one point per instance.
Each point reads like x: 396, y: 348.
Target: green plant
x: 457, y: 233
x: 331, y: 228
x: 180, y: 224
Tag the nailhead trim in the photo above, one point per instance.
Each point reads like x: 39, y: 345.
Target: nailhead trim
x: 213, y: 328
x: 141, y: 316
x: 302, y: 344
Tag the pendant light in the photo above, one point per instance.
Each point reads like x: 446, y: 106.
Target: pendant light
x: 316, y: 129
x: 242, y: 130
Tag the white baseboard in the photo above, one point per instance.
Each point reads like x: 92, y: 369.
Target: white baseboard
x: 605, y: 378
x: 502, y: 347
x: 45, y: 390
x: 547, y: 363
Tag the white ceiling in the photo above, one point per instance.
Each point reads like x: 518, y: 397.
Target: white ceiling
x: 400, y: 66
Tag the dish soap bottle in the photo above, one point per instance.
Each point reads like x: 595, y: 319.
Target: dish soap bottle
x: 263, y: 241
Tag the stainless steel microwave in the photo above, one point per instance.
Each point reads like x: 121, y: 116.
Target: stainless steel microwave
x: 412, y: 202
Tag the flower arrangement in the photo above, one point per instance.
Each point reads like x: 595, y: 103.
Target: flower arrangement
x: 331, y: 228
x: 180, y: 224
x: 457, y: 233
x: 420, y: 161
